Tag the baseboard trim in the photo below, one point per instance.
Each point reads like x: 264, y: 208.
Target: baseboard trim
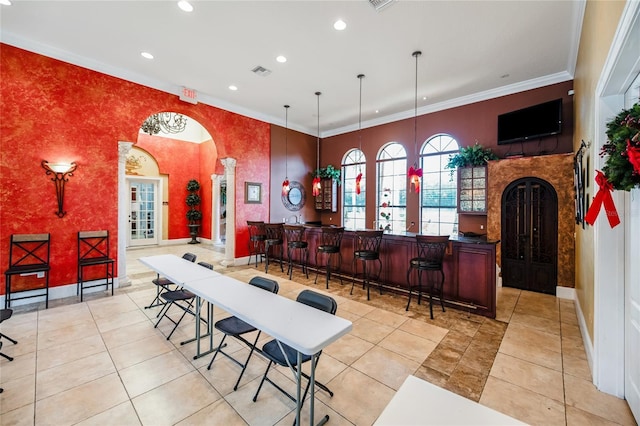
x: 586, y: 340
x: 565, y: 293
x: 58, y: 292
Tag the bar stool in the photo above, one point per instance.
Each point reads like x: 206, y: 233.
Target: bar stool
x: 257, y: 235
x: 274, y: 233
x: 295, y: 241
x: 431, y: 250
x: 367, y: 249
x: 330, y: 242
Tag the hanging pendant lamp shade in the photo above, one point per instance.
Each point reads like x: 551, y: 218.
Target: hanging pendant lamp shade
x: 316, y: 186
x: 285, y: 183
x: 359, y: 175
x: 415, y: 173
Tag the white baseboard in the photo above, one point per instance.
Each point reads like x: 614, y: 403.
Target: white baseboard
x: 58, y: 292
x: 586, y: 340
x: 565, y: 293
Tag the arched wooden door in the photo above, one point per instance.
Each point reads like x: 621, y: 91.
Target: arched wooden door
x: 530, y: 235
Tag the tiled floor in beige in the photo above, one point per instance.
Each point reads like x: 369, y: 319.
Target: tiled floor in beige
x: 101, y: 362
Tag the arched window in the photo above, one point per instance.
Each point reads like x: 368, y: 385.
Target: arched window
x: 438, y: 213
x: 391, y: 210
x: 353, y: 204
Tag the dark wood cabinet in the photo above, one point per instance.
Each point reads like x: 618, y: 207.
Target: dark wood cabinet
x: 328, y: 198
x: 472, y: 190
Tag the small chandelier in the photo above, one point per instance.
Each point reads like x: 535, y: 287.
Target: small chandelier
x: 415, y: 172
x: 285, y: 182
x: 316, y: 186
x: 165, y: 122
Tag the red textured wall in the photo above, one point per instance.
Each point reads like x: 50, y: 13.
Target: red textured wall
x: 56, y: 111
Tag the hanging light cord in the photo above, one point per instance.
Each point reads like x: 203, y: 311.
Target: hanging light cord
x: 360, y: 77
x: 318, y: 135
x: 286, y: 142
x: 416, y: 54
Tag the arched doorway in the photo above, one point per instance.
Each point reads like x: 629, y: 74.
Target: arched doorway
x: 529, y: 235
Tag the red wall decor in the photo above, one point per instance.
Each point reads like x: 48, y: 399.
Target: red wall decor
x: 55, y: 111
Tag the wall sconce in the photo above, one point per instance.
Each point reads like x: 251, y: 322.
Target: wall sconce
x: 61, y: 173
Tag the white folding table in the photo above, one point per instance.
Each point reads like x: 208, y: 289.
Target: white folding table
x: 180, y: 271
x: 419, y: 402
x: 302, y: 327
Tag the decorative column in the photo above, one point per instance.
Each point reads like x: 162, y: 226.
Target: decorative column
x: 216, y: 219
x: 123, y: 150
x: 230, y: 236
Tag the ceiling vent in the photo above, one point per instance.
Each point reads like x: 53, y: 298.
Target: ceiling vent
x: 261, y: 71
x: 380, y: 4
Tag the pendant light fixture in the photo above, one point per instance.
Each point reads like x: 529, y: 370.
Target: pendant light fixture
x: 285, y: 183
x: 316, y: 186
x: 359, y: 176
x: 415, y: 173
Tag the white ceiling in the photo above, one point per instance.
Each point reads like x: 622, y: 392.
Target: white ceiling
x: 467, y: 49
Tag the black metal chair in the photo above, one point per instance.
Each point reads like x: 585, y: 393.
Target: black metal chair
x: 235, y: 327
x: 164, y: 284
x: 93, y: 253
x: 431, y: 251
x: 367, y: 249
x: 257, y: 236
x: 274, y: 238
x: 295, y: 242
x: 28, y: 254
x: 275, y: 351
x: 174, y: 297
x: 5, y: 314
x: 330, y: 244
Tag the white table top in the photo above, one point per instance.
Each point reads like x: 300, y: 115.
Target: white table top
x: 419, y: 402
x: 304, y: 328
x: 177, y: 269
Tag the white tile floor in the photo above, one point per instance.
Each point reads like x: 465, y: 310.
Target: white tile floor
x: 101, y: 362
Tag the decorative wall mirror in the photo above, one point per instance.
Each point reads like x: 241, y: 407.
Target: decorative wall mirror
x: 295, y: 198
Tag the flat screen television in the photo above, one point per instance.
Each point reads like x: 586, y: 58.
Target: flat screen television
x: 533, y: 122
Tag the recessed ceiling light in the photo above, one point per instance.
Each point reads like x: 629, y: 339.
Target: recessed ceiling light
x: 232, y: 87
x: 185, y: 5
x: 339, y: 25
x: 377, y: 111
x: 424, y: 98
x: 147, y: 55
x: 281, y: 59
x: 5, y: 2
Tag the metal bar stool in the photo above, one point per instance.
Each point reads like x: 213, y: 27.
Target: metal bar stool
x: 330, y: 243
x: 274, y: 238
x: 295, y: 241
x: 367, y: 249
x: 257, y: 235
x: 431, y: 250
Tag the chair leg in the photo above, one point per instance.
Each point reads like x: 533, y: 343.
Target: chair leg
x: 409, y: 285
x: 215, y: 354
x: 264, y: 377
x: 441, y: 292
x: 8, y: 338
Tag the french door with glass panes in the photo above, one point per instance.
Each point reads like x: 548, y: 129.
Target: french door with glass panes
x: 143, y: 212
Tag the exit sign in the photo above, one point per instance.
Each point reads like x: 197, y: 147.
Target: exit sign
x: 189, y: 95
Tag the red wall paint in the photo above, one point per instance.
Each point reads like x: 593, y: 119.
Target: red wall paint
x: 56, y: 111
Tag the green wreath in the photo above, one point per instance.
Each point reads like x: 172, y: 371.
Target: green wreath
x: 622, y: 132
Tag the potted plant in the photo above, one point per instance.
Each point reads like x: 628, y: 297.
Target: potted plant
x: 328, y: 172
x: 469, y: 156
x: 193, y: 214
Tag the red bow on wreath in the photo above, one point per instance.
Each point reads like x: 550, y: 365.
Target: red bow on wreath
x: 603, y: 197
x: 634, y: 155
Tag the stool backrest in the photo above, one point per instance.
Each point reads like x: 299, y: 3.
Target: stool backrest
x: 294, y: 232
x: 256, y: 230
x: 274, y: 231
x: 432, y: 247
x: 29, y: 250
x: 331, y: 236
x: 189, y: 256
x: 369, y: 241
x: 206, y: 265
x: 93, y: 245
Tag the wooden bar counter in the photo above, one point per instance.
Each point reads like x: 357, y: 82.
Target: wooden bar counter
x: 469, y: 267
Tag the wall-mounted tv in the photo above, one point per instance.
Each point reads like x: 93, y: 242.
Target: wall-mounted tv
x: 533, y: 122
